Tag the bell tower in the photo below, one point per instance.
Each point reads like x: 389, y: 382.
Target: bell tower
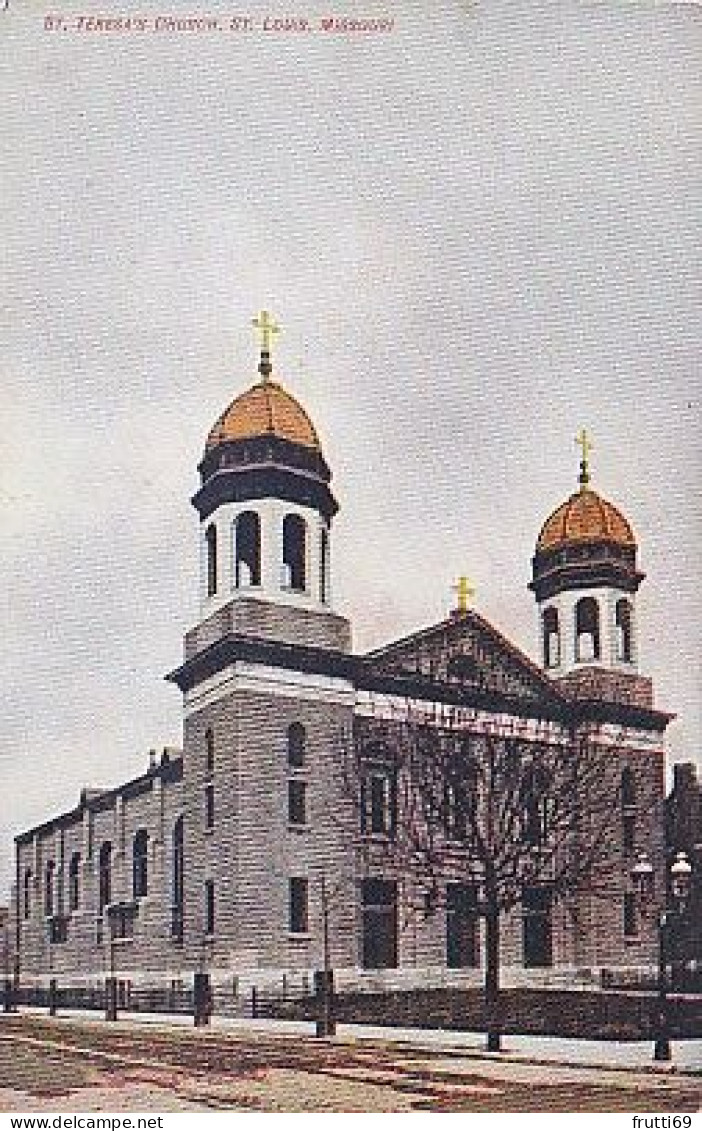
x: 265, y: 502
x: 585, y: 579
x: 267, y: 690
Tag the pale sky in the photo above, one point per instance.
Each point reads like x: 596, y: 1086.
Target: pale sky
x: 479, y: 232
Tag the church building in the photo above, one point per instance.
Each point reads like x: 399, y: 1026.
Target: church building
x: 261, y: 851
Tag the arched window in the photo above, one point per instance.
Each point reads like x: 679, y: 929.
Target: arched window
x: 209, y: 751
x: 247, y: 550
x: 628, y: 787
x: 294, y: 552
x: 49, y: 875
x: 324, y: 566
x: 551, y: 638
x: 74, y: 882
x: 624, y: 630
x: 296, y: 745
x: 140, y: 864
x: 211, y: 543
x: 27, y: 893
x: 178, y: 881
x: 587, y: 630
x: 105, y: 874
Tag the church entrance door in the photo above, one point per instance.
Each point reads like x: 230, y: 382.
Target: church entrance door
x: 379, y: 910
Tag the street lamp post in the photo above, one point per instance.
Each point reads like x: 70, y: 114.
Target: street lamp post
x: 680, y: 888
x: 324, y: 979
x: 202, y: 990
x: 668, y: 917
x: 111, y: 982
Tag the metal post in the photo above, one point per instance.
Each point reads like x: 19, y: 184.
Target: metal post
x: 110, y: 999
x: 111, y: 983
x: 202, y: 994
x: 53, y: 996
x: 661, y: 1050
x: 324, y: 999
x: 324, y: 979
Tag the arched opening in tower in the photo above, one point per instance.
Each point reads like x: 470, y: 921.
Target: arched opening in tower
x: 587, y: 630
x: 247, y: 550
x: 623, y: 619
x: 551, y: 638
x: 294, y: 553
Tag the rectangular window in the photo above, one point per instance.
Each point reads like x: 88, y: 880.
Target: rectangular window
x: 379, y: 799
x: 73, y: 891
x: 631, y: 926
x: 536, y: 927
x: 209, y: 807
x: 462, y: 947
x: 628, y: 832
x: 378, y: 804
x: 299, y: 917
x: 297, y: 802
x: 209, y: 907
x: 296, y: 745
x: 379, y: 916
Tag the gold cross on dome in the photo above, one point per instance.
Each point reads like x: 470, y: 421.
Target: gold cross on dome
x: 267, y: 328
x: 466, y: 591
x: 586, y: 445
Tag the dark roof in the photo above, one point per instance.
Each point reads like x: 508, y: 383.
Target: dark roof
x: 168, y: 769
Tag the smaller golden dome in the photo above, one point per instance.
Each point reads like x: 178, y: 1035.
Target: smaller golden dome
x: 585, y: 517
x: 265, y: 409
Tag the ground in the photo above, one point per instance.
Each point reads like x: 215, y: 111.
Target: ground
x: 62, y: 1065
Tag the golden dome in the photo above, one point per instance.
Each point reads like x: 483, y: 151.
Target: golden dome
x: 585, y: 517
x: 265, y: 409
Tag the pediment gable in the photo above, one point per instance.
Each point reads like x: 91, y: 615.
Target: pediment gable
x: 467, y: 653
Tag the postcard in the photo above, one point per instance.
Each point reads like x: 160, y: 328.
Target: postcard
x: 350, y: 491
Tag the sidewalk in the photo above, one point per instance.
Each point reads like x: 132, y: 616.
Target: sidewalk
x: 570, y: 1052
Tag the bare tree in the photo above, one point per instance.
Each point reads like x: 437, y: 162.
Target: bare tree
x: 518, y: 809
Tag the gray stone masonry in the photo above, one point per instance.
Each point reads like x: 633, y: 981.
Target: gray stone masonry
x: 265, y: 620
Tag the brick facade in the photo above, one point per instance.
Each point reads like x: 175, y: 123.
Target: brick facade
x: 242, y: 846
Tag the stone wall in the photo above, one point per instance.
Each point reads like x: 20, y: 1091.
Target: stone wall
x: 602, y: 685
x: 83, y: 950
x: 265, y: 620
